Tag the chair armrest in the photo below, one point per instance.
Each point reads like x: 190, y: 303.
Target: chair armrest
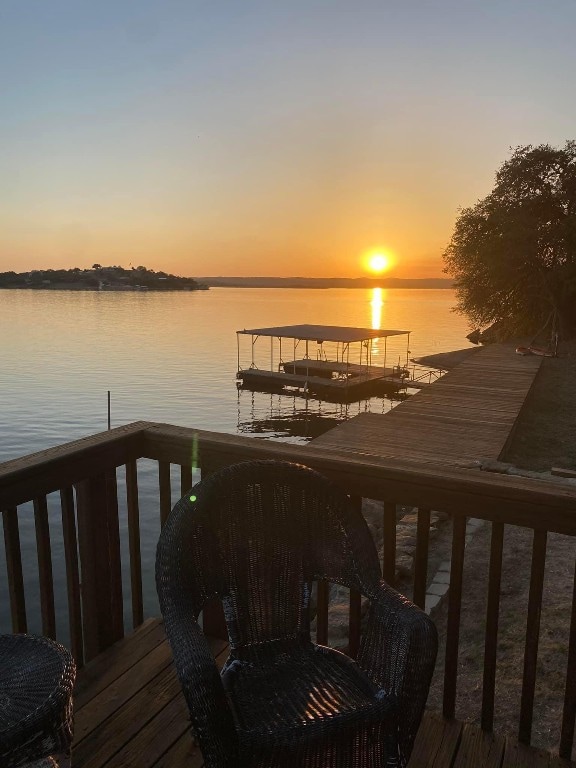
x: 210, y: 712
x: 398, y: 651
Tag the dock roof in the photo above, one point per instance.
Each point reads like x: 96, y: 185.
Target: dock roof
x: 339, y: 333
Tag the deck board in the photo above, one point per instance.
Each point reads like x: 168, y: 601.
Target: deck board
x: 466, y: 416
x: 138, y: 718
x: 478, y: 748
x: 107, y: 666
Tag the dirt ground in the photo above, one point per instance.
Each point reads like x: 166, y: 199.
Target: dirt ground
x: 545, y: 437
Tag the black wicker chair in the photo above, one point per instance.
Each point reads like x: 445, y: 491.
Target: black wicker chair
x: 36, y: 681
x: 256, y: 535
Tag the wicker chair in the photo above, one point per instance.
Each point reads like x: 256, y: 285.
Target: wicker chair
x: 36, y: 681
x: 256, y: 535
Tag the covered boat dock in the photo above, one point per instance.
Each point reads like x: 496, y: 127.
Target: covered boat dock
x: 332, y: 362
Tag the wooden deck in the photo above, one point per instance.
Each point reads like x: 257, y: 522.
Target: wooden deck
x: 130, y: 713
x: 466, y: 416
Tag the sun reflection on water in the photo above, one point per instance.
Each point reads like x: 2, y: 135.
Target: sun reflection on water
x: 376, y: 303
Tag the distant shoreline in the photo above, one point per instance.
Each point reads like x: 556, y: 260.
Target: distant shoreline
x: 324, y: 282
x: 90, y: 289
x: 141, y: 279
x: 99, y: 278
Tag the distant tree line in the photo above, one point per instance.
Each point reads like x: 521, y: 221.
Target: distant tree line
x: 113, y: 277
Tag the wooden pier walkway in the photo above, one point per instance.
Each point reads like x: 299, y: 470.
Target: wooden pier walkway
x: 466, y: 416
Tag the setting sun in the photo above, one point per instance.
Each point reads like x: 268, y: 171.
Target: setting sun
x: 377, y: 262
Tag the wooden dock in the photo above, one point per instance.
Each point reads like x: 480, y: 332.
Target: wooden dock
x: 339, y: 390
x: 130, y: 712
x: 465, y: 417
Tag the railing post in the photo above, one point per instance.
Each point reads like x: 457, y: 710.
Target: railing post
x: 99, y: 547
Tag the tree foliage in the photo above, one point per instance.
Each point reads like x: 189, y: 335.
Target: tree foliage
x: 513, y: 254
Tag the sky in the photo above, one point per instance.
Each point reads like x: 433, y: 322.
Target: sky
x: 266, y: 137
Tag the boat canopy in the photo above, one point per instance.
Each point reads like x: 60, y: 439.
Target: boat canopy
x: 319, y: 333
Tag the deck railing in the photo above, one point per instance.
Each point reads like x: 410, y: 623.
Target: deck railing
x: 99, y: 571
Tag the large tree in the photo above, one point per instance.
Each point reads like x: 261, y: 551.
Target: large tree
x: 513, y: 254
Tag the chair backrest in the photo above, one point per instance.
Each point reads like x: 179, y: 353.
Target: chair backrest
x: 256, y: 535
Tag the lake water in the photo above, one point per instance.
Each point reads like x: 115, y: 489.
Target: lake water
x: 172, y: 357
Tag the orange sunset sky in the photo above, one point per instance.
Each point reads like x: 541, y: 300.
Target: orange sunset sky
x: 258, y: 138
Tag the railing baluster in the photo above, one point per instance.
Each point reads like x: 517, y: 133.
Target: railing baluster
x: 98, y: 540
x: 532, y: 635
x: 165, y: 491
x: 117, y: 613
x: 491, y: 636
x: 355, y: 603
x: 453, y: 624
x: 72, y: 574
x: 44, y: 551
x: 421, y: 557
x: 133, y: 511
x: 569, y: 710
x: 185, y: 479
x: 322, y: 594
x: 14, y: 569
x: 354, y: 623
x: 389, y: 534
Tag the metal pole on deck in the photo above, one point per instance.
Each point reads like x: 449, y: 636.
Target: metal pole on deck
x: 109, y: 410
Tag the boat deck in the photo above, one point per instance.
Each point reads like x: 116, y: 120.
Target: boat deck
x: 329, y: 367
x: 341, y: 390
x: 130, y: 712
x: 465, y: 417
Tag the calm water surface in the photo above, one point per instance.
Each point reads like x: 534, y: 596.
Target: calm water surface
x: 171, y: 357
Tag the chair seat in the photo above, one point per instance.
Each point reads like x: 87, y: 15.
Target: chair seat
x: 303, y: 694
x: 36, y: 679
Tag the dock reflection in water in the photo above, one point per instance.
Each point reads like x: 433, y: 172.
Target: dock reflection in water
x: 298, y: 419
